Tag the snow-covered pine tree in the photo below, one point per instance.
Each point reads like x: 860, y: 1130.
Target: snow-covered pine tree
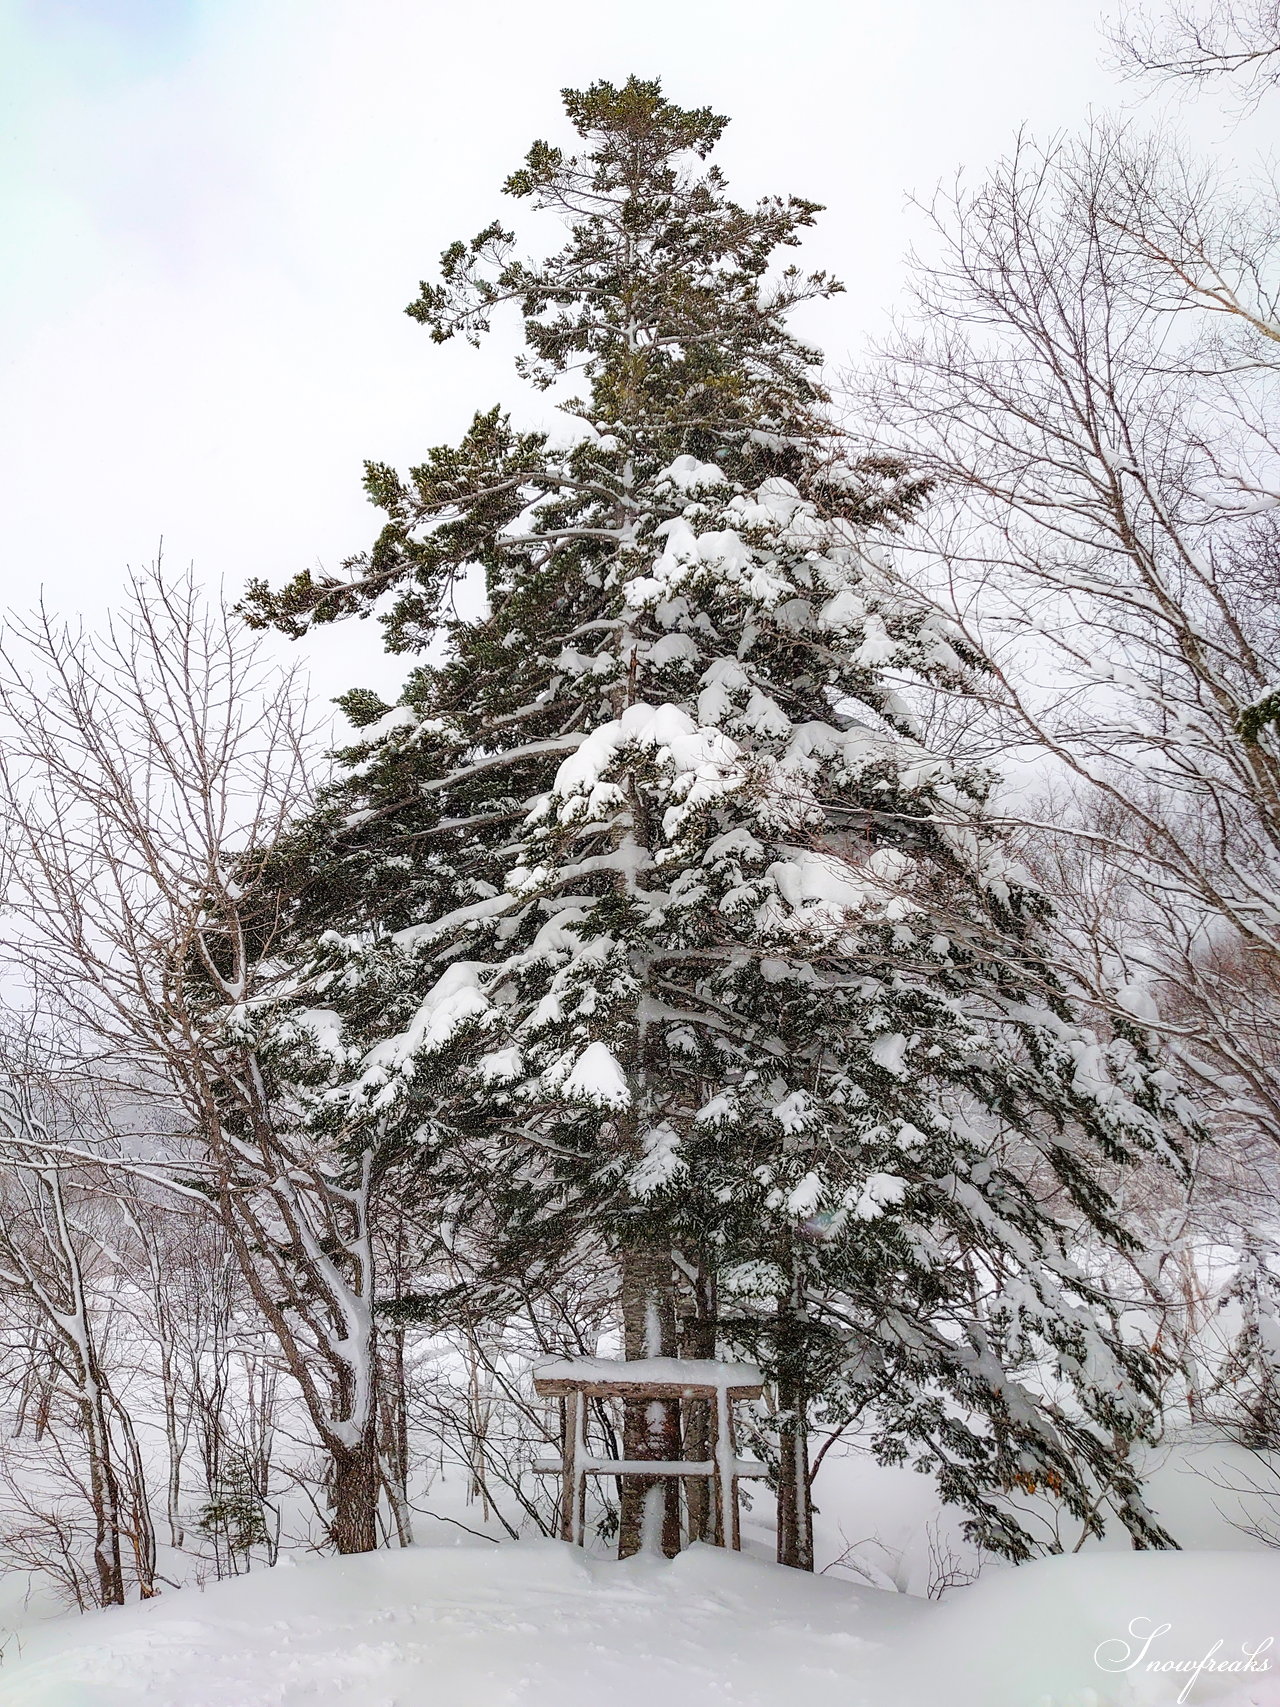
x: 1250, y: 1375
x: 645, y: 916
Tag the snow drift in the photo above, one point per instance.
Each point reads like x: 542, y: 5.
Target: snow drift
x: 537, y: 1623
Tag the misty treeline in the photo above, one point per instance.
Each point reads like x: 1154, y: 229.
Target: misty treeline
x: 246, y: 1308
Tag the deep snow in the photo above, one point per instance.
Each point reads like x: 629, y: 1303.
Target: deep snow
x: 533, y: 1624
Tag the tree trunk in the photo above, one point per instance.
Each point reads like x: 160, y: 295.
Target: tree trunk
x: 650, y: 1516
x: 795, y: 1506
x: 173, y: 1440
x: 104, y: 1492
x: 394, y: 1449
x: 698, y: 1340
x: 141, y: 1531
x: 795, y: 1501
x: 354, y: 1526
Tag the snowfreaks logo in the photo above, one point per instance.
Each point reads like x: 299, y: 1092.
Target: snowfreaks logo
x: 1136, y: 1654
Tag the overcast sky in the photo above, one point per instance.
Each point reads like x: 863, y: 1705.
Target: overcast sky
x: 214, y: 212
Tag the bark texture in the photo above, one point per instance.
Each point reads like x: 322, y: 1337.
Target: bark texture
x: 650, y: 1515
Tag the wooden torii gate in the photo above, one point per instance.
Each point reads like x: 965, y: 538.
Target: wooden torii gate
x: 575, y: 1380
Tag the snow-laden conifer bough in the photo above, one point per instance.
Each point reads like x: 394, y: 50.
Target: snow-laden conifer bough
x: 648, y: 920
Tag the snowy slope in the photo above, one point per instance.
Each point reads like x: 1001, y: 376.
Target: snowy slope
x: 529, y: 1623
x: 1033, y: 1637
x: 534, y: 1624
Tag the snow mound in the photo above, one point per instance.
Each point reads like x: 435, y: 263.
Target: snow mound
x: 526, y: 1625
x: 1105, y: 1630
x: 539, y: 1623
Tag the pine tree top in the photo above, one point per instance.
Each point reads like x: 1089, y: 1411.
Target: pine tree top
x: 662, y: 300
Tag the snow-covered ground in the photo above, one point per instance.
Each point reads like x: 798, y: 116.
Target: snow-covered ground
x: 538, y: 1624
x: 461, y: 1621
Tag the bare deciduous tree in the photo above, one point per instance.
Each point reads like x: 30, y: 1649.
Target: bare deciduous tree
x: 50, y: 1254
x: 1203, y: 41
x: 1091, y: 382
x: 140, y: 771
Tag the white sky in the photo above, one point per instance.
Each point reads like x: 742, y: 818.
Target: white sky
x: 214, y: 212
